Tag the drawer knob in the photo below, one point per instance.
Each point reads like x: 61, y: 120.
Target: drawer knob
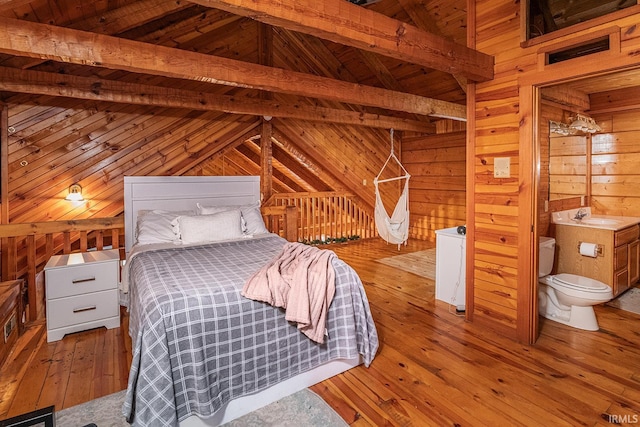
x: 80, y: 310
x: 90, y: 279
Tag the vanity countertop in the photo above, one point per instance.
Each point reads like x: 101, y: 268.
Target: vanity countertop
x: 606, y: 222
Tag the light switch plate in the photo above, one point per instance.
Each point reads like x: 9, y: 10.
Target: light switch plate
x: 502, y: 167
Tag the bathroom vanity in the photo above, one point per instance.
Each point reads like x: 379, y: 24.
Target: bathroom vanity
x: 618, y: 260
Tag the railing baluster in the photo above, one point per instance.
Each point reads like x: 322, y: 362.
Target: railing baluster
x: 99, y: 239
x: 48, y: 245
x: 115, y: 238
x: 12, y: 259
x: 83, y: 241
x: 325, y: 212
x: 67, y: 242
x: 331, y: 214
x: 31, y: 276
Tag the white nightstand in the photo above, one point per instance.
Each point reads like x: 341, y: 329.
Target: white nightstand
x: 82, y: 292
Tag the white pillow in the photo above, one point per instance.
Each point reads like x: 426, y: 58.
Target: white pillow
x: 252, y: 222
x: 208, y: 210
x: 155, y: 226
x: 224, y: 225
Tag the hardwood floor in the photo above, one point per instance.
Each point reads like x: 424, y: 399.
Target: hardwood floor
x: 80, y: 367
x: 433, y: 367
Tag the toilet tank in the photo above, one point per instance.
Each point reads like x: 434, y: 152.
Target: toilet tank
x: 545, y: 255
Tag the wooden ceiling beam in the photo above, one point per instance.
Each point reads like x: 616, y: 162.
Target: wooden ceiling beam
x: 65, y: 45
x: 348, y: 24
x: 116, y: 21
x: 420, y: 16
x: 52, y: 84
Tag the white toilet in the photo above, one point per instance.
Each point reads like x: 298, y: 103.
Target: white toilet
x: 568, y: 298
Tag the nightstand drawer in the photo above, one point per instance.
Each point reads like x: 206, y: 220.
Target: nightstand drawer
x: 82, y: 308
x: 81, y: 279
x: 82, y: 292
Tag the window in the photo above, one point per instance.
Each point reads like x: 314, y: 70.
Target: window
x: 547, y: 16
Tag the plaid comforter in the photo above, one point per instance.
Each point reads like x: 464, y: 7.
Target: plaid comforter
x: 199, y: 344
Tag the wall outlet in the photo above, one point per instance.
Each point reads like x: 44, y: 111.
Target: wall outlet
x: 502, y: 167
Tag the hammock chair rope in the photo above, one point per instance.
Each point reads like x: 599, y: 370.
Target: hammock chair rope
x: 394, y: 228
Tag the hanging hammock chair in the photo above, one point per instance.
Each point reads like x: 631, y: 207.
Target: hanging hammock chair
x: 394, y: 228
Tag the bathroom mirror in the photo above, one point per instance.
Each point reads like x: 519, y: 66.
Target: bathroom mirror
x: 567, y: 165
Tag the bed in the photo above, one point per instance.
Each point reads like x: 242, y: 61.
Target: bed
x: 202, y: 353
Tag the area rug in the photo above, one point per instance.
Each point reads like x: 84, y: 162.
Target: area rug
x: 628, y: 301
x: 304, y: 408
x: 422, y: 263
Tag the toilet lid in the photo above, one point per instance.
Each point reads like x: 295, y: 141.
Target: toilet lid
x: 579, y: 282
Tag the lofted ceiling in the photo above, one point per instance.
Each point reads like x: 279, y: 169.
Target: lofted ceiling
x: 374, y: 60
x: 353, y: 69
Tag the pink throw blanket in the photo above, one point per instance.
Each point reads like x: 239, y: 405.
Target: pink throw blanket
x: 301, y: 280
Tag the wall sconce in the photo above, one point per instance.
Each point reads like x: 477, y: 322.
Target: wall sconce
x: 560, y: 128
x: 75, y: 193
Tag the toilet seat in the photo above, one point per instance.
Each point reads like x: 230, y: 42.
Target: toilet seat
x: 579, y: 283
x: 579, y: 287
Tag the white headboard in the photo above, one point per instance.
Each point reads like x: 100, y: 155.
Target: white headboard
x: 177, y: 193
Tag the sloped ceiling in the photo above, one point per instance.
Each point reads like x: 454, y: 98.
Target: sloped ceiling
x: 328, y: 73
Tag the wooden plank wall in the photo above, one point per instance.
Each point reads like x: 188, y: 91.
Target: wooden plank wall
x: 496, y: 134
x: 57, y: 142
x: 437, y: 185
x: 567, y: 166
x: 501, y: 244
x: 615, y: 164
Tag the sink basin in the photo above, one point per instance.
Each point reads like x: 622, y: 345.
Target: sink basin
x: 599, y: 221
x: 605, y: 222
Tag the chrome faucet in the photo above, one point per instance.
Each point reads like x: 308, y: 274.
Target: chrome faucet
x: 580, y: 214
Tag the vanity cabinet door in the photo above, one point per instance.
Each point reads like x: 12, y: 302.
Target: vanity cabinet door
x: 621, y: 270
x: 621, y: 258
x: 634, y: 262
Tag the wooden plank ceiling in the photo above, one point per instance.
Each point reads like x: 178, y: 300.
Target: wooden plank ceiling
x: 101, y: 89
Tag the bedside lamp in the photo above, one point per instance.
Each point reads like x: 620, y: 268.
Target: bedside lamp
x: 75, y: 193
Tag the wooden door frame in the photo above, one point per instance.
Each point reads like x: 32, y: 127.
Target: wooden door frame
x: 528, y: 328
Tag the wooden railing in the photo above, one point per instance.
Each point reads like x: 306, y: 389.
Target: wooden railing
x: 325, y: 215
x: 26, y: 248
x: 282, y: 220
